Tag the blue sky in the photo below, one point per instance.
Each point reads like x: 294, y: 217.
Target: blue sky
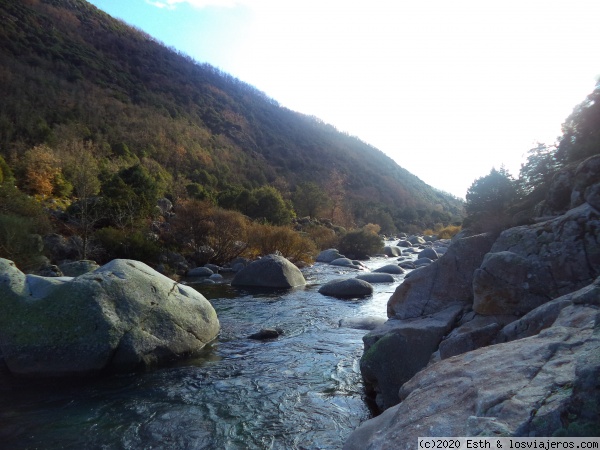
x: 448, y: 88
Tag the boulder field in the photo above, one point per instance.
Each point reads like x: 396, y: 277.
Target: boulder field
x: 500, y: 336
x: 120, y: 317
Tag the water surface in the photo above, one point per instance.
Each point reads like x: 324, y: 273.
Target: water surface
x: 300, y: 391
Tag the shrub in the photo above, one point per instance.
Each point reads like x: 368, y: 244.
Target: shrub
x: 17, y: 241
x: 323, y: 237
x: 227, y: 238
x: 360, y: 244
x: 129, y: 244
x: 266, y: 239
x: 449, y: 231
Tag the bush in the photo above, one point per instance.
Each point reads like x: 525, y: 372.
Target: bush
x: 443, y: 232
x: 360, y: 244
x: 227, y: 237
x: 128, y: 244
x: 18, y: 241
x: 449, y: 232
x: 267, y: 239
x: 323, y: 237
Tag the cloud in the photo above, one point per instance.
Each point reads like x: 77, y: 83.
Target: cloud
x: 172, y: 4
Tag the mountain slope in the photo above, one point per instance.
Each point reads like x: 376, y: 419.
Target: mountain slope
x: 70, y: 71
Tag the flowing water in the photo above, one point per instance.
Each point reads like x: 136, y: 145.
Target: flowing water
x: 302, y: 390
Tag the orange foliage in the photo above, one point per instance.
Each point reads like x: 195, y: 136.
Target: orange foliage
x: 41, y: 169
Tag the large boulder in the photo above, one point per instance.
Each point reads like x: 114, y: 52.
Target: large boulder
x: 392, y: 250
x: 530, y: 265
x: 445, y: 282
x: 397, y: 350
x: 326, y: 256
x: 393, y: 269
x: 348, y: 288
x: 76, y: 268
x: 121, y: 317
x: 272, y: 271
x: 586, y: 176
x: 346, y: 262
x: 508, y: 283
x: 376, y: 277
x: 541, y: 385
x: 472, y: 332
x: 428, y: 253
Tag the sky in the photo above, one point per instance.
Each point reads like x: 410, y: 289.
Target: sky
x: 448, y: 88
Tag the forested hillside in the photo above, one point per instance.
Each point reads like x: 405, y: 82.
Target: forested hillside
x: 81, y: 90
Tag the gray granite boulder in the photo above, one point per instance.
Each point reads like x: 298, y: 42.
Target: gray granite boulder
x: 121, y: 317
x: 376, y: 277
x: 542, y: 385
x: 429, y: 253
x: 76, y: 268
x: 326, y: 256
x: 586, y: 176
x: 272, y: 271
x: 348, y: 288
x: 447, y: 281
x: 397, y: 350
x: 200, y: 272
x: 392, y: 250
x: 346, y: 262
x: 530, y: 265
x: 394, y: 269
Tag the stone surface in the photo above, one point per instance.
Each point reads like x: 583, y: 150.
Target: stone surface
x: 120, y: 317
x: 348, y: 288
x: 326, y: 256
x: 556, y: 257
x: 508, y: 283
x: 447, y: 281
x: 394, y: 269
x: 475, y: 332
x: 397, y: 350
x: 536, y: 386
x: 392, y: 250
x: 200, y: 272
x: 346, y: 262
x: 586, y: 176
x: 266, y: 333
x: 376, y: 277
x: 428, y: 253
x: 76, y: 268
x: 271, y: 271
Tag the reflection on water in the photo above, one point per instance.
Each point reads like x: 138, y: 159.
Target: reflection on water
x: 300, y: 391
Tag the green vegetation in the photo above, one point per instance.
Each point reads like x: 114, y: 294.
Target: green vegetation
x: 360, y: 244
x: 98, y: 121
x: 497, y: 201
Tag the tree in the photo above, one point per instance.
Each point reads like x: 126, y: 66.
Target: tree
x: 581, y: 131
x: 268, y: 204
x: 192, y: 224
x: 488, y: 200
x: 131, y: 195
x: 336, y: 193
x: 539, y: 169
x: 309, y: 199
x: 360, y: 244
x: 40, y: 169
x: 82, y: 170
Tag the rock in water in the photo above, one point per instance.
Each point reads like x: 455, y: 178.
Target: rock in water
x: 350, y: 288
x: 271, y: 271
x: 526, y: 387
x: 120, y: 317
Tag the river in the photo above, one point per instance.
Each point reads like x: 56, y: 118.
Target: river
x: 302, y: 390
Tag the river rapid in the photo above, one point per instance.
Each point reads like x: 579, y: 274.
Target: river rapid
x: 302, y: 390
